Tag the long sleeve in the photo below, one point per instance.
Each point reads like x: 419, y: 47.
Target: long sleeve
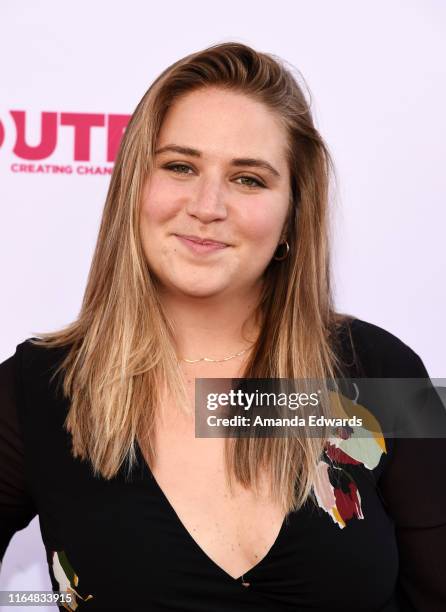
x: 414, y: 488
x: 412, y: 484
x: 16, y: 505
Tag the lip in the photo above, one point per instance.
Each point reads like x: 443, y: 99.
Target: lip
x: 198, y: 245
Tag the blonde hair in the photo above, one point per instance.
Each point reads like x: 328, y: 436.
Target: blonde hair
x: 121, y: 348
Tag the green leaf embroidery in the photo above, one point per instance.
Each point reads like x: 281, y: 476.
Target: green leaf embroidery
x: 67, y: 579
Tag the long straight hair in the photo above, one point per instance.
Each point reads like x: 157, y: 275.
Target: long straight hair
x: 121, y: 353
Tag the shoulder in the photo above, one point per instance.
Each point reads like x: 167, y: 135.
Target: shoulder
x: 370, y: 350
x: 27, y: 389
x: 36, y: 365
x: 34, y: 355
x: 37, y: 383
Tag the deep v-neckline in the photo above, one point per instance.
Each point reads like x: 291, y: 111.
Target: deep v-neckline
x: 243, y: 578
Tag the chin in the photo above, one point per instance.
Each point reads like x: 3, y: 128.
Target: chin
x: 197, y: 288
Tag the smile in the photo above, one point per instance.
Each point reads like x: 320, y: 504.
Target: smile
x: 201, y: 247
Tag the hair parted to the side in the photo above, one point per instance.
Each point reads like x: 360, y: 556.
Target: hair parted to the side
x: 121, y: 353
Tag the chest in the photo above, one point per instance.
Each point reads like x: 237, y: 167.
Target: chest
x: 235, y: 527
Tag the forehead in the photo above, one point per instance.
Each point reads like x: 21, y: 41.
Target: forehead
x: 224, y: 123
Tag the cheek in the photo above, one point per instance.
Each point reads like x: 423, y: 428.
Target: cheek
x: 159, y: 202
x: 262, y: 221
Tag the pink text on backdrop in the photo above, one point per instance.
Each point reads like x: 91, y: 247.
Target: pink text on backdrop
x: 80, y: 123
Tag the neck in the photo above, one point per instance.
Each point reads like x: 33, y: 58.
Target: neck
x: 212, y: 326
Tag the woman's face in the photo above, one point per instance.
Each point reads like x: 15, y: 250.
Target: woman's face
x: 220, y: 173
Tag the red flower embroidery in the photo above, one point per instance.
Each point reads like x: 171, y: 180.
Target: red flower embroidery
x: 349, y: 504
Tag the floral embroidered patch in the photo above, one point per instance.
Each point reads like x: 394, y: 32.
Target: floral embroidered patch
x: 349, y: 446
x: 67, y: 579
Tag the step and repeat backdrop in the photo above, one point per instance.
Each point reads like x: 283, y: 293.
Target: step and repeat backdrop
x: 72, y: 74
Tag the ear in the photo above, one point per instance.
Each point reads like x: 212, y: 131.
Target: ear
x: 287, y: 223
x: 284, y: 233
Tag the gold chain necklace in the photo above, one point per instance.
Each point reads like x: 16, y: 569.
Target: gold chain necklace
x: 214, y: 360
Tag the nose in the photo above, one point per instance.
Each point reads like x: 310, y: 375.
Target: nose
x: 207, y: 202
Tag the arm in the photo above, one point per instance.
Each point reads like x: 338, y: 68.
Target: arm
x: 16, y: 505
x: 414, y: 488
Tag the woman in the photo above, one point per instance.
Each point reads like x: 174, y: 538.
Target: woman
x: 212, y: 262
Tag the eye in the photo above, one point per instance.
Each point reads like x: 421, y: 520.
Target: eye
x: 178, y: 168
x: 248, y: 181
x: 254, y: 182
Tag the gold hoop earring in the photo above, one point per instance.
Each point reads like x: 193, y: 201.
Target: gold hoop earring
x: 286, y: 253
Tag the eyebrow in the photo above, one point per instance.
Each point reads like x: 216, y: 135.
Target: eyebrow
x: 238, y: 161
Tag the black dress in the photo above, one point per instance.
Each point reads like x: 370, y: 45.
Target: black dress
x: 120, y: 545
